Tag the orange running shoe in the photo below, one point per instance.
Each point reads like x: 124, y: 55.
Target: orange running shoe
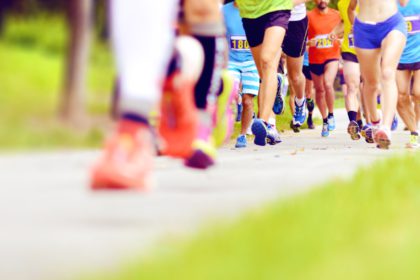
x: 127, y: 161
x: 179, y: 119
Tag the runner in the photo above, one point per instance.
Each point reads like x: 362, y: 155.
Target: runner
x: 294, y: 46
x: 380, y: 35
x: 351, y: 71
x: 408, y: 69
x: 265, y: 24
x: 127, y: 161
x: 242, y: 66
x: 309, y: 90
x: 324, y: 53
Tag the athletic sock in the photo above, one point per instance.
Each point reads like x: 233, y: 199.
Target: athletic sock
x: 299, y: 101
x: 135, y: 118
x: 325, y: 121
x: 415, y: 133
x: 352, y: 115
x: 360, y: 123
x: 330, y: 115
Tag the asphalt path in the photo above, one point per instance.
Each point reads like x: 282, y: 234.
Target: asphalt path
x: 53, y: 227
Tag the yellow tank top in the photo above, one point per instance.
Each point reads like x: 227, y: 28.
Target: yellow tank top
x: 348, y: 39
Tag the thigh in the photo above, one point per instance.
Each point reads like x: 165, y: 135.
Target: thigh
x: 416, y: 84
x: 273, y: 39
x: 392, y: 48
x: 318, y: 81
x: 369, y: 60
x: 351, y: 73
x: 330, y: 72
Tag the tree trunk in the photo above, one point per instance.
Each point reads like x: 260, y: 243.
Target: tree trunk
x: 73, y: 100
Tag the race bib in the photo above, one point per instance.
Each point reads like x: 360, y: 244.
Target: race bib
x: 239, y: 43
x: 351, y: 41
x: 323, y: 42
x: 413, y: 24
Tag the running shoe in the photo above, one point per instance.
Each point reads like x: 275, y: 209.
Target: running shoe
x: 353, y: 129
x: 278, y: 107
x: 239, y: 109
x: 223, y: 118
x: 259, y: 129
x: 294, y: 127
x: 299, y: 116
x: 127, y: 161
x: 414, y: 141
x: 382, y: 137
x: 310, y: 122
x: 394, y: 125
x: 179, y: 118
x: 325, y: 130
x: 331, y: 123
x: 367, y: 133
x: 273, y: 136
x: 204, y: 150
x: 241, y: 142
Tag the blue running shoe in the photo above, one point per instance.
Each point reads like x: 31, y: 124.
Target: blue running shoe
x: 325, y: 130
x: 239, y: 113
x: 278, y: 107
x: 394, y: 125
x: 273, y: 136
x: 331, y: 123
x: 259, y: 129
x: 299, y: 116
x: 241, y: 142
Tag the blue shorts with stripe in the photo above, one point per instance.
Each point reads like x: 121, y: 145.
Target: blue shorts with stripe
x: 246, y: 74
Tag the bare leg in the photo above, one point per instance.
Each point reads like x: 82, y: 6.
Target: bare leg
x: 352, y: 78
x: 320, y: 94
x: 405, y: 106
x: 330, y: 73
x: 247, y: 112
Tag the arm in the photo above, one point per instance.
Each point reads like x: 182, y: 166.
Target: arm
x: 338, y: 32
x: 404, y: 2
x: 352, y: 10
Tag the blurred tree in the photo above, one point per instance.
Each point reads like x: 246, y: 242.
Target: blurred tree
x: 73, y: 100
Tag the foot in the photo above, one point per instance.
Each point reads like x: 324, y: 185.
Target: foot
x: 223, y: 119
x: 259, y: 129
x: 325, y: 130
x: 294, y: 127
x: 414, y: 142
x: 273, y: 136
x: 278, y: 107
x: 299, y: 116
x: 367, y: 133
x: 353, y: 129
x: 179, y: 120
x: 204, y: 150
x: 383, y: 138
x: 310, y: 122
x: 127, y: 161
x: 241, y: 142
x: 331, y: 123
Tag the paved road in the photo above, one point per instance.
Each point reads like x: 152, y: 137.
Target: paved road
x: 53, y: 227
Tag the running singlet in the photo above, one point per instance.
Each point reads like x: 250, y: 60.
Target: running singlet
x: 238, y: 45
x: 411, y: 14
x: 256, y: 8
x: 320, y: 26
x: 348, y: 40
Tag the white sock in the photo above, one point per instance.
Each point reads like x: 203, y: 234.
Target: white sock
x: 299, y: 101
x: 272, y: 121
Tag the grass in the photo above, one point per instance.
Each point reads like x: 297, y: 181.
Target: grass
x: 363, y: 228
x: 32, y: 52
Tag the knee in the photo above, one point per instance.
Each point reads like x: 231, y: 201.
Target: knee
x: 329, y: 86
x: 267, y: 62
x: 403, y: 100
x: 296, y: 78
x: 388, y: 74
x: 247, y: 101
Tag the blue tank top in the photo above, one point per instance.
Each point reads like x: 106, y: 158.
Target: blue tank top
x: 238, y: 45
x: 411, y: 14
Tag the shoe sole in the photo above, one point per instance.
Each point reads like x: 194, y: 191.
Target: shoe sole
x: 382, y: 140
x: 260, y: 132
x: 353, y: 130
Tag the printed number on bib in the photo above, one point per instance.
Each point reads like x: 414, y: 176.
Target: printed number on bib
x: 239, y: 43
x: 351, y: 40
x: 323, y: 42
